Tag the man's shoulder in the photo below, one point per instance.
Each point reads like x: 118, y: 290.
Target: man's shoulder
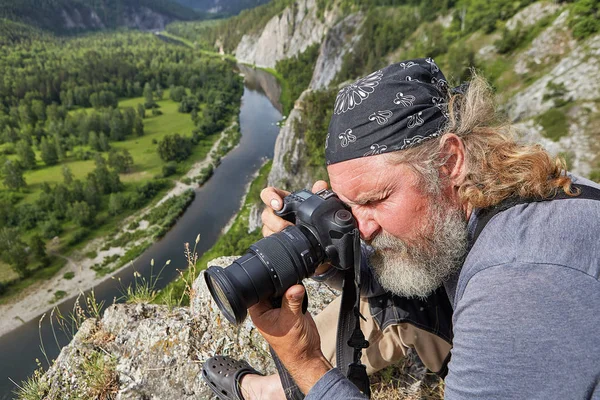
x: 562, y: 233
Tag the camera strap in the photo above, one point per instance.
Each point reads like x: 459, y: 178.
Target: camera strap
x: 350, y: 338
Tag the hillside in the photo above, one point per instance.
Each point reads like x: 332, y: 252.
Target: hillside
x: 221, y: 7
x: 523, y: 48
x: 541, y: 57
x: 68, y: 16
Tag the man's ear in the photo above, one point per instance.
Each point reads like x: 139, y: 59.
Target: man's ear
x: 453, y: 151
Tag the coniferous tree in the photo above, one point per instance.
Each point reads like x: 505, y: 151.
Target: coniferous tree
x: 26, y: 154
x: 141, y: 110
x: 94, y: 141
x: 38, y: 249
x: 12, y: 250
x: 138, y: 127
x: 48, y: 152
x: 67, y: 175
x: 12, y: 175
x: 148, y: 96
x: 103, y: 142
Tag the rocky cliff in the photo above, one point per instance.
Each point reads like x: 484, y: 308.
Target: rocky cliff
x: 145, y: 351
x: 285, y: 35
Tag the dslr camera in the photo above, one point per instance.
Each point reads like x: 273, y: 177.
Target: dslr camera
x: 324, y: 230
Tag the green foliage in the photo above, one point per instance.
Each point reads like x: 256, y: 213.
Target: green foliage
x: 584, y: 18
x: 34, y: 387
x: 69, y: 275
x: 12, y: 175
x: 26, y: 155
x: 167, y: 213
x: 89, y: 14
x: 314, y: 125
x: 12, y: 250
x: 121, y: 160
x: 484, y: 14
x: 58, y: 295
x: 81, y: 213
x: 297, y: 71
x: 48, y: 152
x: 169, y: 169
x: 174, y: 147
x: 205, y: 174
x: 555, y: 123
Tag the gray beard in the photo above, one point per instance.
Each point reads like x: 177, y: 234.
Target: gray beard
x: 417, y: 269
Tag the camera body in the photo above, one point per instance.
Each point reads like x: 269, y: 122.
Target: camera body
x: 324, y: 230
x: 327, y: 219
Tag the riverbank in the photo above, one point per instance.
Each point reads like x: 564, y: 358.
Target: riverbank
x: 83, y: 269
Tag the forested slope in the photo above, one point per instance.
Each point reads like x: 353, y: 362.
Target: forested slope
x: 64, y: 16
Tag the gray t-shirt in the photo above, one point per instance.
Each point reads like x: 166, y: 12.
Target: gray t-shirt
x: 526, y: 309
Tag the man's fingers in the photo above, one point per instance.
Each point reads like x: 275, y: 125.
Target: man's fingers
x: 272, y: 223
x: 292, y: 300
x: 319, y: 185
x: 273, y: 197
x: 257, y: 310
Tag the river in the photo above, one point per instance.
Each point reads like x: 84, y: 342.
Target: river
x: 213, y: 207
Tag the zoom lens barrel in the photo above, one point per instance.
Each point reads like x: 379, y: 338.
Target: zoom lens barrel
x: 267, y: 270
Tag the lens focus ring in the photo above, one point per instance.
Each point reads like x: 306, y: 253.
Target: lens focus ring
x: 280, y: 261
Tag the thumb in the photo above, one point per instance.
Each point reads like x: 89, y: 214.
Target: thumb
x: 292, y: 300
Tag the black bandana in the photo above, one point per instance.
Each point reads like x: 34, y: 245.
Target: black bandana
x: 391, y: 109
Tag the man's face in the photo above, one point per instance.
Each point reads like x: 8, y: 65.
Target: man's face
x: 419, y: 238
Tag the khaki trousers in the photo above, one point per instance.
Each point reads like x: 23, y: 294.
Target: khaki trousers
x: 386, y: 347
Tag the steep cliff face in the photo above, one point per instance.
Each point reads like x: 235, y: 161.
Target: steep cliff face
x: 339, y: 40
x: 287, y: 171
x: 285, y: 35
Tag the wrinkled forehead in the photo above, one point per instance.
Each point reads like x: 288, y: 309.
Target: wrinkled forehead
x: 352, y: 177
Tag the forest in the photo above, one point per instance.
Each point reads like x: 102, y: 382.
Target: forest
x: 75, y: 16
x: 76, y: 115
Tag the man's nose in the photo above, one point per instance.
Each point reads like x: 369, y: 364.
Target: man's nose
x: 367, y: 226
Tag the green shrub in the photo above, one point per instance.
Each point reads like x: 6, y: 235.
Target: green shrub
x: 69, y: 275
x: 59, y: 294
x: 555, y: 124
x: 169, y: 169
x: 584, y: 18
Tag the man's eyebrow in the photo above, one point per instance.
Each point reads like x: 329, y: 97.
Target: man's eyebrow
x: 366, y: 197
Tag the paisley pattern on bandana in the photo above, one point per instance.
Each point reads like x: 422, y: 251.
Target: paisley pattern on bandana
x: 347, y: 137
x: 354, y: 94
x: 376, y: 149
x: 407, y: 105
x: 404, y: 100
x: 406, y: 65
x: 381, y: 117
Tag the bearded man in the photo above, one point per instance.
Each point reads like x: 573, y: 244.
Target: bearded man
x: 459, y: 221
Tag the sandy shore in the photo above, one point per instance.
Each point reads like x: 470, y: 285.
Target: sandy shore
x: 37, y: 299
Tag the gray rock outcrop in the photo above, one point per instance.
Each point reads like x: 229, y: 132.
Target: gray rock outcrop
x: 532, y: 14
x: 147, y: 351
x: 579, y: 74
x: 285, y: 35
x: 339, y: 41
x: 289, y: 158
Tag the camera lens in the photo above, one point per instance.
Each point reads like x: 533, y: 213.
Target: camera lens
x: 267, y: 270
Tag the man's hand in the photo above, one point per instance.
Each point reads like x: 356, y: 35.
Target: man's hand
x: 294, y: 337
x: 273, y: 199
